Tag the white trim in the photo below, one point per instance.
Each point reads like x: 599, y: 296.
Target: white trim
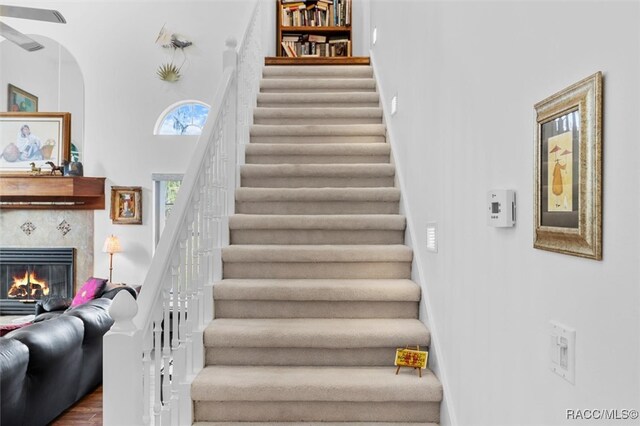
x: 158, y: 201
x: 170, y: 108
x: 417, y: 270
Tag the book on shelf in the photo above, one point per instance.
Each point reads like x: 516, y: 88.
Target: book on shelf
x: 316, y: 13
x: 306, y: 45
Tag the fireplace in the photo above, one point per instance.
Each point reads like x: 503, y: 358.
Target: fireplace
x: 29, y: 274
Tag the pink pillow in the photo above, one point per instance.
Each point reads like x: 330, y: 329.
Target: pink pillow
x: 89, y: 290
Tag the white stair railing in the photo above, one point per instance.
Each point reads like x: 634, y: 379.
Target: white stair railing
x: 155, y: 347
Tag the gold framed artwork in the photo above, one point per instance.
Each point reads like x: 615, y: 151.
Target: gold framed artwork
x: 126, y: 205
x: 33, y: 137
x: 568, y: 170
x: 19, y: 100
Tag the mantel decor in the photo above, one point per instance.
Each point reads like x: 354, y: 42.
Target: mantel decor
x: 33, y: 137
x: 568, y: 170
x: 126, y: 205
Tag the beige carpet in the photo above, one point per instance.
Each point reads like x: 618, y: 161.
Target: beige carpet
x: 317, y: 289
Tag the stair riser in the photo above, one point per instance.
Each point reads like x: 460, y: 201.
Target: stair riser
x: 317, y: 72
x: 316, y: 236
x: 350, y: 85
x: 314, y: 309
x: 379, y: 270
x: 313, y: 89
x: 318, y: 120
x: 316, y: 159
x: 319, y: 139
x: 317, y: 182
x: 370, y: 357
x: 326, y: 207
x: 316, y: 76
x: 311, y: 104
x: 290, y: 411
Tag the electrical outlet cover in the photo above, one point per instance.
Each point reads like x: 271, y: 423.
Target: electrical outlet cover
x: 562, y: 351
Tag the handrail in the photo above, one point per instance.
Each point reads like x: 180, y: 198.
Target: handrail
x: 155, y: 347
x: 179, y: 212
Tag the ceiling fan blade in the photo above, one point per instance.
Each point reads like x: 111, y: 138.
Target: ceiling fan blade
x: 11, y: 34
x: 32, y: 13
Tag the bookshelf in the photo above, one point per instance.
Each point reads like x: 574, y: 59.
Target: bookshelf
x: 314, y: 32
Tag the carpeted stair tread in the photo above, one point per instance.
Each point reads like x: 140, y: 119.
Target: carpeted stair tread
x: 318, y: 130
x: 324, y: 71
x: 317, y: 84
x: 316, y: 253
x: 316, y: 333
x: 320, y: 153
x: 311, y: 424
x: 317, y: 170
x: 344, y: 384
x: 326, y: 149
x: 317, y: 115
x: 345, y: 222
x: 300, y: 114
x: 377, y: 290
x: 318, y: 99
x: 317, y: 194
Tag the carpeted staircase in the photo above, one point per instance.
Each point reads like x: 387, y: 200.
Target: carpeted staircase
x: 316, y: 294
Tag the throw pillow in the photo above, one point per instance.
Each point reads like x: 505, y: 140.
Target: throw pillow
x: 89, y: 291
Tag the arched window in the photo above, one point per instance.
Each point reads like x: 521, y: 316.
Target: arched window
x: 182, y: 118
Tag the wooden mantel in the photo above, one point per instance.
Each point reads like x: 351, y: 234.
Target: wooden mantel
x: 51, y: 192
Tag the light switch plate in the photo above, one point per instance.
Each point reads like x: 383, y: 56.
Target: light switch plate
x: 394, y: 104
x: 432, y: 237
x: 562, y: 351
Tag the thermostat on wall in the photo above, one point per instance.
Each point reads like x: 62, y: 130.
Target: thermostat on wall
x: 501, y: 208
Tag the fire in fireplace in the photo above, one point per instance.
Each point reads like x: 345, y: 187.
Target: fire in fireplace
x: 27, y: 275
x: 28, y: 287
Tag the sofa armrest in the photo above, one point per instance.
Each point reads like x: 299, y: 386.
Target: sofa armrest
x: 52, y: 304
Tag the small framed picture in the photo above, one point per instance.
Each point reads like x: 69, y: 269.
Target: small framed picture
x: 19, y: 100
x: 568, y: 170
x: 33, y: 137
x: 126, y: 205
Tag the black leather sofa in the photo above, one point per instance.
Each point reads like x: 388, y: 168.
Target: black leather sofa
x: 47, y: 366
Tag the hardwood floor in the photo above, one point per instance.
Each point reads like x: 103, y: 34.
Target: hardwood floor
x: 87, y: 411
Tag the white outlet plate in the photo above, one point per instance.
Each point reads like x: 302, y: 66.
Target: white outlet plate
x: 374, y: 36
x: 394, y: 104
x: 562, y: 351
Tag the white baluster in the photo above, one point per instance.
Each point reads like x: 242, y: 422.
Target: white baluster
x: 166, y: 348
x: 175, y: 312
x: 157, y: 365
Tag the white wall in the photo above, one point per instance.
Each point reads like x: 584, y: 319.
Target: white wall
x: 52, y: 74
x: 114, y: 44
x: 467, y: 76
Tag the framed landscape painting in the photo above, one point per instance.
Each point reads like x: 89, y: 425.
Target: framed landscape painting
x: 33, y: 137
x: 19, y: 100
x: 568, y: 170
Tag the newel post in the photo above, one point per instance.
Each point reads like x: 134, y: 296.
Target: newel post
x: 122, y: 365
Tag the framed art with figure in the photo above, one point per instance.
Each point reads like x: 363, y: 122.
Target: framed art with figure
x: 126, y: 205
x: 33, y: 137
x: 568, y: 170
x: 19, y: 100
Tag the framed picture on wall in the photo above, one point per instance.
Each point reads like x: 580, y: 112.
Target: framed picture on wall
x: 19, y: 100
x: 568, y: 170
x: 33, y: 137
x: 126, y: 205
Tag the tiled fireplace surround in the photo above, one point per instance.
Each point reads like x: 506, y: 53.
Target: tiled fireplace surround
x: 52, y: 228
